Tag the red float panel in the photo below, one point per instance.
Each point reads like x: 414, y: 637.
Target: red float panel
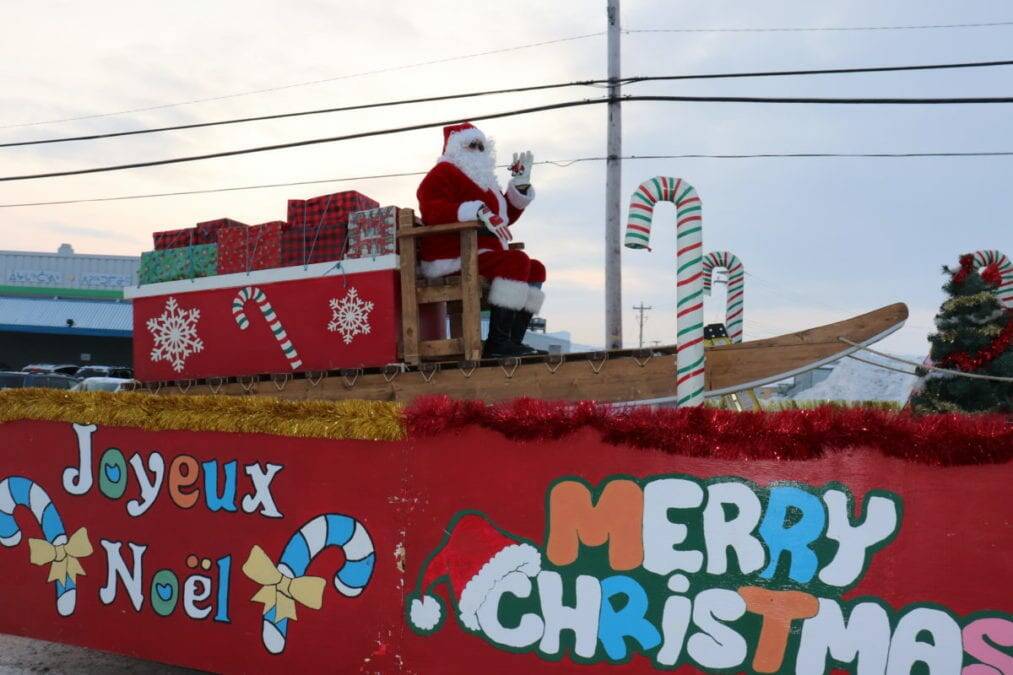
x: 666, y: 556
x: 320, y: 317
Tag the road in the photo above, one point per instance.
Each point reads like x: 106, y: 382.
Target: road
x: 20, y: 655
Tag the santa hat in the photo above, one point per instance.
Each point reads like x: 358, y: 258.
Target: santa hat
x: 474, y: 557
x: 468, y: 133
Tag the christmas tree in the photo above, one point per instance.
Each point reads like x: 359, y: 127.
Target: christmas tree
x: 975, y: 335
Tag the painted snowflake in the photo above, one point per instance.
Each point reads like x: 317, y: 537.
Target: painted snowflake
x: 350, y: 316
x: 175, y: 334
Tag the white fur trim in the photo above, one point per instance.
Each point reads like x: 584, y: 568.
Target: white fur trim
x: 536, y: 297
x: 469, y: 210
x: 523, y: 558
x: 425, y: 613
x: 517, y: 198
x: 434, y: 269
x: 508, y: 293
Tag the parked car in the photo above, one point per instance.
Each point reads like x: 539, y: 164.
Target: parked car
x: 57, y: 369
x: 105, y: 384
x: 121, y: 372
x: 12, y: 379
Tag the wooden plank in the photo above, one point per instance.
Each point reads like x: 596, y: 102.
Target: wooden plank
x: 449, y: 228
x: 441, y: 348
x: 431, y: 294
x: 471, y: 292
x: 733, y: 365
x: 409, y: 303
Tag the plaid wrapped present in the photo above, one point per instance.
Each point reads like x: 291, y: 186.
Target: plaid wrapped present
x: 207, y: 232
x: 241, y: 249
x: 372, y: 233
x: 174, y: 238
x: 317, y: 228
x: 186, y: 262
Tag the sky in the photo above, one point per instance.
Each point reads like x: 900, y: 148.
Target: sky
x: 821, y: 239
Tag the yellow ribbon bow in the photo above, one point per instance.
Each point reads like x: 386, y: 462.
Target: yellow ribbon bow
x: 281, y: 591
x: 64, y: 557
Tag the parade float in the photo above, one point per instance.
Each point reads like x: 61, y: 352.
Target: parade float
x: 320, y: 473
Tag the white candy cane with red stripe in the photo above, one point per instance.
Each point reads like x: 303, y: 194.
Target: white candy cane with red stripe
x: 258, y: 296
x: 983, y: 259
x: 689, y: 273
x: 735, y: 305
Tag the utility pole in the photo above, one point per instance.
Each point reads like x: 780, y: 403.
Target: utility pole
x: 613, y: 186
x: 641, y: 308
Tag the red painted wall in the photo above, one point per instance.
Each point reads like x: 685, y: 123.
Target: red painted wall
x: 953, y: 547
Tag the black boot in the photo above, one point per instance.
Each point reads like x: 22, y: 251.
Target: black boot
x: 522, y: 320
x: 499, y: 344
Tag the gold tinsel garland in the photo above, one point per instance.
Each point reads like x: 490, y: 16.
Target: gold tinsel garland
x: 968, y: 300
x: 360, y: 420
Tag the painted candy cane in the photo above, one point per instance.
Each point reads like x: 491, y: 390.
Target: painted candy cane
x: 56, y: 550
x: 288, y: 577
x: 735, y: 305
x: 689, y: 273
x: 983, y: 259
x: 258, y: 296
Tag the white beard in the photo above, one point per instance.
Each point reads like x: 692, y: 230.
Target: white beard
x: 480, y: 167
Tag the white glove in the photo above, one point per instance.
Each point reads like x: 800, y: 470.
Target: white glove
x: 496, y: 226
x: 520, y: 170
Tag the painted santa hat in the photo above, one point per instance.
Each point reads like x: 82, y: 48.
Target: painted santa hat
x: 474, y: 557
x: 463, y: 134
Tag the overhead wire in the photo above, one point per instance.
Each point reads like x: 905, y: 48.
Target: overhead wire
x: 510, y: 90
x: 558, y: 163
x: 307, y: 83
x: 814, y: 29
x: 500, y: 115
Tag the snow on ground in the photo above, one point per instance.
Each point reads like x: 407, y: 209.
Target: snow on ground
x: 853, y: 380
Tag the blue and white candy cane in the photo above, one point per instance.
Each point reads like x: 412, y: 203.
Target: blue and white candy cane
x: 342, y: 531
x: 56, y: 550
x: 690, y: 363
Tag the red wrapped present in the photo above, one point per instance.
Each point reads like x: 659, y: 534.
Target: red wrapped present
x: 242, y: 249
x: 174, y: 238
x: 207, y: 232
x: 317, y: 229
x: 372, y: 233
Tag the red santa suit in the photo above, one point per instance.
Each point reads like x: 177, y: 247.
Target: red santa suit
x: 454, y: 191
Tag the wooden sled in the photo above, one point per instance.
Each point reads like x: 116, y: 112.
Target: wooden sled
x: 621, y: 376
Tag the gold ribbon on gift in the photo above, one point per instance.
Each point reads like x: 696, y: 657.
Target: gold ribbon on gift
x: 62, y: 558
x: 280, y: 591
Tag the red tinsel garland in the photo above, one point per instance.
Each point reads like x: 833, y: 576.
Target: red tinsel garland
x: 970, y: 363
x: 949, y: 439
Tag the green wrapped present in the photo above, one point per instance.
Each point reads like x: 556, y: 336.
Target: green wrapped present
x: 185, y: 262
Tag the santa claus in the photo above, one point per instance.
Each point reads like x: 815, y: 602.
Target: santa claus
x: 462, y: 187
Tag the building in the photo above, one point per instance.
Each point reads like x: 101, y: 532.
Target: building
x: 65, y: 307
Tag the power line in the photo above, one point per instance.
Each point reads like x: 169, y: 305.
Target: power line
x: 557, y: 163
x: 512, y: 90
x: 807, y: 29
x: 512, y: 113
x: 641, y: 308
x: 294, y: 85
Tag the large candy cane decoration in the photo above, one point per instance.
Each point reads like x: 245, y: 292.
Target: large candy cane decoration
x: 983, y: 259
x: 689, y: 273
x: 735, y: 304
x: 57, y: 550
x: 258, y: 296
x: 330, y: 529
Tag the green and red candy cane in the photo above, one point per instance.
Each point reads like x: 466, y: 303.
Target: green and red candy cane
x: 735, y: 305
x: 689, y: 273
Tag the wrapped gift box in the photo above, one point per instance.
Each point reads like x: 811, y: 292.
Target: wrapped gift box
x: 372, y: 233
x: 325, y: 321
x: 175, y: 238
x: 187, y: 262
x: 243, y: 249
x: 317, y: 229
x: 207, y: 232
